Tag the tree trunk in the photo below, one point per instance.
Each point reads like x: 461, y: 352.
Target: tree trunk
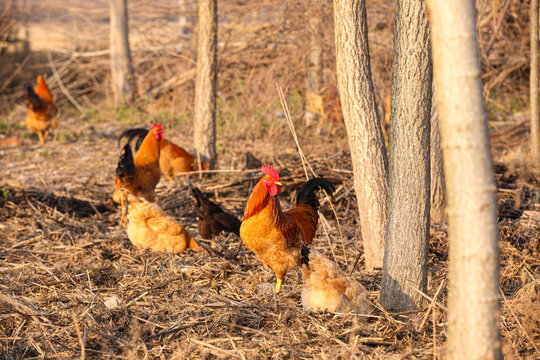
x: 314, y: 67
x: 205, y: 87
x: 438, y: 193
x: 473, y: 298
x: 535, y: 116
x: 186, y: 20
x: 407, y: 237
x: 364, y: 131
x: 123, y: 85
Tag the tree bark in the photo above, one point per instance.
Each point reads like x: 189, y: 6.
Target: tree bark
x: 205, y: 87
x: 535, y: 115
x: 314, y: 68
x: 368, y: 152
x: 407, y: 237
x: 473, y: 298
x: 186, y: 21
x: 438, y: 193
x: 123, y: 84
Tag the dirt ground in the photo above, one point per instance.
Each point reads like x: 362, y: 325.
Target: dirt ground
x: 64, y: 256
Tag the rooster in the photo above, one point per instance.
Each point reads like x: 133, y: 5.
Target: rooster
x: 150, y: 228
x: 173, y: 159
x: 41, y: 109
x: 141, y: 174
x: 212, y: 219
x: 276, y: 236
x: 327, y: 288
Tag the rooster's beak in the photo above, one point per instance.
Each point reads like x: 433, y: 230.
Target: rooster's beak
x: 278, y: 183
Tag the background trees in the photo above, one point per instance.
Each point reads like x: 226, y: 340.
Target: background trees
x: 366, y: 142
x: 123, y: 84
x: 535, y: 110
x: 473, y: 299
x: 204, y: 135
x: 405, y: 260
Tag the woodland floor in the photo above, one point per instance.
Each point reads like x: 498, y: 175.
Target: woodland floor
x: 63, y: 255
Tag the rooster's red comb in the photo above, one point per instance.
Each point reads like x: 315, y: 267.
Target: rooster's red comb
x: 160, y: 128
x: 269, y: 170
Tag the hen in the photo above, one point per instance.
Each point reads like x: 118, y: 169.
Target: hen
x: 150, y: 228
x: 212, y: 219
x: 327, y: 288
x: 41, y: 109
x: 141, y: 174
x: 276, y: 236
x: 173, y: 159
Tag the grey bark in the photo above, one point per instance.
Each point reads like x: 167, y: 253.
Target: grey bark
x: 473, y: 298
x: 438, y: 193
x: 407, y: 237
x: 205, y: 87
x: 535, y: 116
x: 370, y: 164
x: 123, y: 84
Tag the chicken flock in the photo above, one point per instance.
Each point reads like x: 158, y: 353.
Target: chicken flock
x: 281, y: 240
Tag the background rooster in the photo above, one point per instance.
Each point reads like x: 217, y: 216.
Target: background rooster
x: 276, y: 236
x: 42, y: 110
x: 212, y: 219
x: 141, y: 174
x: 173, y: 159
x: 327, y: 288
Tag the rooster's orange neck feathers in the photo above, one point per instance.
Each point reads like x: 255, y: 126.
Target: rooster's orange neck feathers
x: 43, y: 90
x: 260, y: 199
x: 149, y: 150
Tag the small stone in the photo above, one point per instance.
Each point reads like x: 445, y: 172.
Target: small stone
x: 112, y: 303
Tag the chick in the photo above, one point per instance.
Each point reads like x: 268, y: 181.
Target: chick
x: 150, y: 228
x: 327, y: 288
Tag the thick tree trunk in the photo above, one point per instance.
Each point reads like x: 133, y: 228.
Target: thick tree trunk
x: 535, y: 115
x: 473, y: 298
x: 438, y: 193
x: 314, y: 67
x: 123, y: 84
x: 205, y: 87
x: 407, y: 237
x: 368, y: 151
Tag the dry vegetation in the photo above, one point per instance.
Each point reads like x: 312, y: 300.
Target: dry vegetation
x: 72, y: 285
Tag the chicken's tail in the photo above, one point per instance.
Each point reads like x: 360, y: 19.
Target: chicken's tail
x: 305, y: 254
x: 136, y: 133
x: 126, y: 166
x: 307, y: 194
x: 33, y: 101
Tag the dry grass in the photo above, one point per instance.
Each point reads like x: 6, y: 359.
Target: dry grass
x: 63, y: 256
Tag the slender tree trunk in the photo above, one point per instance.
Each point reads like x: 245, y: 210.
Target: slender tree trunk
x: 438, y: 193
x: 186, y: 21
x: 205, y: 88
x: 473, y: 298
x: 368, y: 151
x: 314, y: 68
x: 407, y: 237
x: 535, y: 115
x: 123, y: 84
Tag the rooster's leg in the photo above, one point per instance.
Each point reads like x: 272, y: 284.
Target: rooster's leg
x: 168, y: 177
x: 40, y: 135
x: 123, y: 220
x: 278, y: 284
x: 46, y: 136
